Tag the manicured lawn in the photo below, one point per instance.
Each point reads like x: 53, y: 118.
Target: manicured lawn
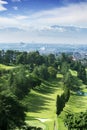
x: 41, y: 104
x: 5, y: 67
x: 73, y: 72
x: 61, y: 124
x: 59, y: 76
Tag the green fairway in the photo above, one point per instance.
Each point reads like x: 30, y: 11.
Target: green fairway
x: 73, y: 72
x: 5, y: 67
x: 42, y: 105
x: 59, y: 76
x: 61, y: 124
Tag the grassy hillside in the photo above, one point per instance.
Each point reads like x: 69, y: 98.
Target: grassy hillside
x: 5, y: 67
x: 41, y: 104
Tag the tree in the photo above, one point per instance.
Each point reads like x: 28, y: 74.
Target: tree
x: 76, y: 121
x: 21, y: 58
x: 58, y: 105
x: 61, y: 100
x: 52, y: 71
x: 11, y: 112
x: 19, y: 83
x: 64, y: 67
x: 9, y: 57
x: 41, y: 72
x: 1, y: 59
x: 72, y: 82
x: 68, y: 80
x: 66, y: 93
x: 35, y: 58
x: 51, y: 59
x: 82, y: 73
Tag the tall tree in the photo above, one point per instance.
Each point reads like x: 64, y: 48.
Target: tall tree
x: 41, y: 72
x: 82, y: 73
x: 64, y: 67
x: 11, y: 112
x: 51, y: 59
x: 52, y: 72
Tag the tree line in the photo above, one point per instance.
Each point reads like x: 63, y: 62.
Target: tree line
x: 61, y: 100
x: 76, y: 121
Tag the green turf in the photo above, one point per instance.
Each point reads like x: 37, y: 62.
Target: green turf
x: 61, y: 124
x: 41, y: 104
x: 73, y: 72
x: 5, y: 67
x: 59, y: 76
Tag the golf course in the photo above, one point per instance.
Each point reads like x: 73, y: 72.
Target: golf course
x: 42, y: 95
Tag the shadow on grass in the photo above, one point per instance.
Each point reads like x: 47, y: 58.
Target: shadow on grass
x: 30, y: 118
x: 77, y: 101
x: 46, y: 88
x: 36, y: 103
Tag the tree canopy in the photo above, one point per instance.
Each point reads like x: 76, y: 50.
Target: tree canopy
x: 12, y: 112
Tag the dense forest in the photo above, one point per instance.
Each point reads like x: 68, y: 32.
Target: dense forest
x: 23, y: 72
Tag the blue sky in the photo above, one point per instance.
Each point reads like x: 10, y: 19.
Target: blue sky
x: 43, y: 21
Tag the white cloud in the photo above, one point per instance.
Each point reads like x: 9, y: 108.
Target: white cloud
x: 14, y: 22
x: 51, y: 28
x: 21, y: 17
x: 71, y: 15
x: 2, y: 3
x: 8, y: 22
x: 74, y: 14
x: 15, y: 8
x: 16, y: 0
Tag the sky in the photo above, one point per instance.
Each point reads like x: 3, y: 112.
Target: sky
x: 43, y: 21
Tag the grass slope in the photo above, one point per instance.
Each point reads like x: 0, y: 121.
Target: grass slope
x: 5, y: 67
x: 41, y: 104
x: 76, y: 104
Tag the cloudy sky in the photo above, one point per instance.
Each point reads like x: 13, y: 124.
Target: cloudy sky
x: 43, y: 21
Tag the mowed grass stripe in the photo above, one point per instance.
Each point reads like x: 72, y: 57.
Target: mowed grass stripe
x: 5, y: 67
x: 77, y: 103
x: 42, y: 104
